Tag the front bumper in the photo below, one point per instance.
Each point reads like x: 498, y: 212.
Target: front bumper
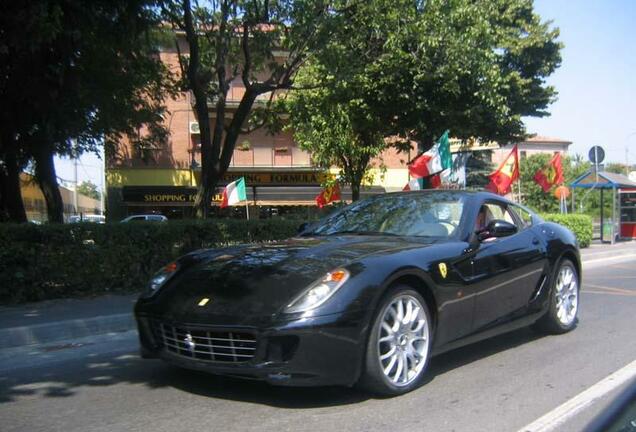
x: 324, y: 350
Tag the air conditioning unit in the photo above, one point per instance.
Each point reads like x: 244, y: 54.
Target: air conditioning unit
x: 194, y: 128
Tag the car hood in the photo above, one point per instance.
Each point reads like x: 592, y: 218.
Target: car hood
x: 257, y: 281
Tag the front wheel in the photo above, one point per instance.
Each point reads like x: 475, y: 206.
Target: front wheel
x: 562, y: 313
x: 399, y: 344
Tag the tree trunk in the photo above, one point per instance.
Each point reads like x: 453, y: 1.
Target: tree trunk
x: 213, y: 164
x: 204, y: 194
x: 355, y: 190
x: 11, y: 205
x: 47, y: 179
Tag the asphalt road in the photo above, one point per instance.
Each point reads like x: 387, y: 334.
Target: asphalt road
x: 501, y: 384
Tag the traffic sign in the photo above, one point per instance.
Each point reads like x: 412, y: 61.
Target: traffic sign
x: 597, y: 154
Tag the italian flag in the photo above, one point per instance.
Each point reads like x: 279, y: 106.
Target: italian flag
x: 234, y: 193
x: 413, y: 184
x: 434, y: 161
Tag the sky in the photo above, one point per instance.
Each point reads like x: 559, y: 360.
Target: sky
x: 596, y: 83
x: 597, y: 78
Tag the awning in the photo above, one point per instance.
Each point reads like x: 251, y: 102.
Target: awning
x: 604, y: 180
x: 179, y: 196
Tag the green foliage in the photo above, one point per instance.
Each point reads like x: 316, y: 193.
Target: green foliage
x: 74, y: 74
x: 588, y: 201
x: 88, y: 189
x: 580, y: 225
x: 40, y: 262
x: 533, y: 195
x: 478, y: 168
x: 412, y: 70
x: 474, y: 67
x: 618, y: 168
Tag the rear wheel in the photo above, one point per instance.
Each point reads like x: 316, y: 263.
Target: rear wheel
x: 562, y: 314
x: 399, y: 343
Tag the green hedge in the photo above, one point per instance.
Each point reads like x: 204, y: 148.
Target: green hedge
x: 40, y: 262
x: 580, y: 225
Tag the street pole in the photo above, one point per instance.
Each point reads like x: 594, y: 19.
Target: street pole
x: 75, y: 181
x: 102, y: 196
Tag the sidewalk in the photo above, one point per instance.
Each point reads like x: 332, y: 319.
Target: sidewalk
x: 56, y: 320
x: 598, y: 249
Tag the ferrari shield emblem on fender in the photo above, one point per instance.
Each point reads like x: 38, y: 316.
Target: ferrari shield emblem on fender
x: 443, y: 270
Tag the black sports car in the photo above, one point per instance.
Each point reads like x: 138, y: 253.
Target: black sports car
x: 366, y: 295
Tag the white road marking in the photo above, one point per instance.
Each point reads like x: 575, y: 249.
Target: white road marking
x: 560, y: 414
x: 611, y: 258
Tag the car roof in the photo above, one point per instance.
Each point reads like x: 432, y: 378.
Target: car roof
x: 482, y: 195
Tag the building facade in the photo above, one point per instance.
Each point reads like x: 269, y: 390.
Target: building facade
x: 534, y: 145
x: 280, y: 176
x: 35, y: 204
x: 164, y: 179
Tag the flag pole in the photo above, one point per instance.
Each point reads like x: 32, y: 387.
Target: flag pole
x: 519, y: 178
x: 247, y: 209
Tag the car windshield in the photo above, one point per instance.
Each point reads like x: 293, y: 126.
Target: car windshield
x: 405, y: 214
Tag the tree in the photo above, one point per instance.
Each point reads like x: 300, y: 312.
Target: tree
x: 413, y: 70
x: 478, y: 169
x: 618, y: 168
x: 89, y: 189
x: 532, y: 194
x: 326, y: 130
x: 330, y: 115
x: 74, y: 74
x: 238, y: 39
x: 474, y: 67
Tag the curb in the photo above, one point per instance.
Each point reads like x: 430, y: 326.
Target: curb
x: 61, y: 330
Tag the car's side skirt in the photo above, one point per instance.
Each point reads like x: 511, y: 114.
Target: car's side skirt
x: 491, y: 332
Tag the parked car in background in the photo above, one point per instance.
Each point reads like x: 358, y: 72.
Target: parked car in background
x: 145, y: 218
x: 94, y: 218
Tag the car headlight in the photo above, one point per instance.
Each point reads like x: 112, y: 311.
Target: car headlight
x: 161, y: 277
x: 319, y: 292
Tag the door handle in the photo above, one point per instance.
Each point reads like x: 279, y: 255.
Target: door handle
x: 535, y: 241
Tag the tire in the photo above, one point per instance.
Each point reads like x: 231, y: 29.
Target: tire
x: 392, y: 344
x: 562, y: 314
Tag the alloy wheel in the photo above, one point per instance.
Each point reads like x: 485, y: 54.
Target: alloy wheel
x: 403, y: 341
x: 567, y: 295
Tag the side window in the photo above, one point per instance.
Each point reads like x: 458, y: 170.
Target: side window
x: 499, y: 212
x: 491, y: 211
x: 524, y: 215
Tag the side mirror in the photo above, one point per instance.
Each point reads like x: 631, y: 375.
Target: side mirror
x: 302, y: 227
x: 497, y: 228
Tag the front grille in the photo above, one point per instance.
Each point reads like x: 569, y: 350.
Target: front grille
x: 212, y: 346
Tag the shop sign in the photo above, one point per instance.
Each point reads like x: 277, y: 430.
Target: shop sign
x: 163, y: 194
x: 301, y: 178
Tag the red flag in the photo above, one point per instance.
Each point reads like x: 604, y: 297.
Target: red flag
x: 502, y: 179
x: 551, y: 174
x: 327, y: 195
